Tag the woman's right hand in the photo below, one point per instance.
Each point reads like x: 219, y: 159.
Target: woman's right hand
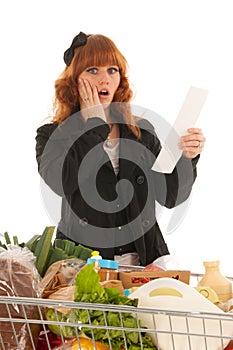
x: 90, y: 105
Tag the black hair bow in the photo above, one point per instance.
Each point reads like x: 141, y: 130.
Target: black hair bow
x: 79, y: 40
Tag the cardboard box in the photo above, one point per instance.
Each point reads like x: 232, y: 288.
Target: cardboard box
x: 138, y: 278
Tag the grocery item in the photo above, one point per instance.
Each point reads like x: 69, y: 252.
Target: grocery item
x: 153, y: 267
x: 87, y: 344
x: 46, y: 251
x: 136, y: 278
x: 19, y: 278
x: 174, y: 295
x: 89, y: 290
x: 60, y: 274
x: 47, y: 338
x: 168, y: 262
x: 42, y: 249
x: 213, y: 278
x: 107, y: 269
x: 95, y: 258
x: 113, y: 284
x: 208, y: 293
x: 83, y: 343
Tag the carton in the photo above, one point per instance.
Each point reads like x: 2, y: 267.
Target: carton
x: 138, y: 278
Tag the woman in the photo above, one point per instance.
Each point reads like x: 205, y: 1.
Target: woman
x: 98, y: 157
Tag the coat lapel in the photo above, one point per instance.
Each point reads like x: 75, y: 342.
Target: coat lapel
x: 130, y: 152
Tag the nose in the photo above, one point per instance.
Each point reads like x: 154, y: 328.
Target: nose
x: 104, y: 78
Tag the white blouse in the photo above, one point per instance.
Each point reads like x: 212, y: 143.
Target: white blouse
x: 111, y: 147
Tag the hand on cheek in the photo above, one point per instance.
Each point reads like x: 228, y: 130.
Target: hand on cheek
x: 90, y: 105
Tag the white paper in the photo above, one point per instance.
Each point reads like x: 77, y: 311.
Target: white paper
x: 187, y: 117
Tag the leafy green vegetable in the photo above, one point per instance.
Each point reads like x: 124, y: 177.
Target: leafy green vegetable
x: 57, y: 317
x: 89, y: 290
x: 47, y: 252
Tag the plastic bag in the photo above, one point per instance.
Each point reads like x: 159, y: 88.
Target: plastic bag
x: 168, y: 262
x: 18, y: 278
x: 19, y: 271
x: 61, y: 274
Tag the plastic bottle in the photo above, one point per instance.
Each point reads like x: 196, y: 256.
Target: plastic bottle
x: 215, y: 280
x: 95, y: 257
x: 107, y: 269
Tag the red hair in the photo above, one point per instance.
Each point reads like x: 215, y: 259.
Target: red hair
x: 98, y: 51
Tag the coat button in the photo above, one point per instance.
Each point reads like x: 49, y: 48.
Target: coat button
x: 140, y: 179
x: 83, y: 222
x: 145, y: 223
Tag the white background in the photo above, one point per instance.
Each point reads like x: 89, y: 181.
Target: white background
x: 170, y: 45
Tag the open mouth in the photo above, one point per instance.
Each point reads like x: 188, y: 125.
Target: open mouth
x: 103, y: 93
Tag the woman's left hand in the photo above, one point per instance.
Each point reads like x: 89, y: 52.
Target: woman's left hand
x: 192, y: 143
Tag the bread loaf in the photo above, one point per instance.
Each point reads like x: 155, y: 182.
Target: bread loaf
x: 18, y: 279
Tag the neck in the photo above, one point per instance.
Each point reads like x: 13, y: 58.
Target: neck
x: 107, y: 114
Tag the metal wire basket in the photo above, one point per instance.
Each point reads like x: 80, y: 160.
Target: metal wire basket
x: 19, y: 326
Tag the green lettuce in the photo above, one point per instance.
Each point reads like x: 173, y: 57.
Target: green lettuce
x: 89, y: 290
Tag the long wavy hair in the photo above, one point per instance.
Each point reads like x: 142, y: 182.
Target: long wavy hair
x: 98, y: 51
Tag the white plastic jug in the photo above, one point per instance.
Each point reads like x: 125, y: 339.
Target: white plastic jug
x: 173, y: 295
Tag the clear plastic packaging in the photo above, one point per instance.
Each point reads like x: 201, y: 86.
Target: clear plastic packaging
x: 19, y: 278
x: 168, y: 262
x: 18, y: 273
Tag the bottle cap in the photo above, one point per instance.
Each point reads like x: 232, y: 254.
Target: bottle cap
x: 104, y: 263
x: 211, y: 263
x: 95, y: 254
x: 127, y: 292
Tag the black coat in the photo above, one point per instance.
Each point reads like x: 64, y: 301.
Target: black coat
x: 115, y: 217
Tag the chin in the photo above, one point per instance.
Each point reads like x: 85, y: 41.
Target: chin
x: 105, y: 104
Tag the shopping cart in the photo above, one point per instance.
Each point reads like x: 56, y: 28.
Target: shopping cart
x: 24, y: 319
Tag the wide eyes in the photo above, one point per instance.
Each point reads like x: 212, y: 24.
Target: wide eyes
x: 113, y: 70
x: 110, y: 70
x: 92, y: 70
